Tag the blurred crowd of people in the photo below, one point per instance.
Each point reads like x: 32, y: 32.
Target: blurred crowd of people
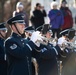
x: 60, y: 18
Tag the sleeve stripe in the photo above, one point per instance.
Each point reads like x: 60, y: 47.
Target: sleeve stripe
x: 55, y: 50
x: 29, y: 46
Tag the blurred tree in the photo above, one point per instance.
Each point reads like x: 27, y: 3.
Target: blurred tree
x: 2, y: 2
x: 8, y: 6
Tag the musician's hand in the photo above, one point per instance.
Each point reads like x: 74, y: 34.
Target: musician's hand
x: 36, y: 37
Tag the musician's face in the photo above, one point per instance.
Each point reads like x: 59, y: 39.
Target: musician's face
x: 3, y: 32
x: 20, y: 28
x: 48, y: 35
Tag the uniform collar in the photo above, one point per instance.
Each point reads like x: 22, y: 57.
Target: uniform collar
x: 1, y: 41
x: 1, y: 38
x: 16, y: 35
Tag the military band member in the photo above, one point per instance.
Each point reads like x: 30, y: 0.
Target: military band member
x: 69, y: 53
x: 63, y: 37
x: 17, y: 50
x: 28, y: 31
x: 3, y: 62
x: 65, y: 40
x: 47, y: 57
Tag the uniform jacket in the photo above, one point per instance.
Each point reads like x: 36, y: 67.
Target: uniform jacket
x: 56, y: 18
x: 3, y: 63
x: 47, y: 62
x: 2, y: 49
x: 18, y: 55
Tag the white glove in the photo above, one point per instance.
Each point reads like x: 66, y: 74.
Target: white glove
x: 62, y: 43
x: 36, y: 37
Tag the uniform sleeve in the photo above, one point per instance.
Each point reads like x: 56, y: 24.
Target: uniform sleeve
x: 15, y: 50
x: 50, y: 53
x: 1, y: 53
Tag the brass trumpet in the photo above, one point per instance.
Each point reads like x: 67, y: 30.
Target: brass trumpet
x: 35, y: 65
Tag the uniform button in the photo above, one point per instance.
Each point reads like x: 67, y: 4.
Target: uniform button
x: 21, y: 40
x: 23, y: 43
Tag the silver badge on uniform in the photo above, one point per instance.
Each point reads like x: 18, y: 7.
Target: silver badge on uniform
x: 14, y: 46
x: 44, y: 49
x: 23, y: 16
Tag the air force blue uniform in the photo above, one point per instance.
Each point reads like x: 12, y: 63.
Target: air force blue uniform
x: 47, y: 59
x: 18, y: 55
x: 3, y: 62
x: 1, y: 49
x: 18, y: 51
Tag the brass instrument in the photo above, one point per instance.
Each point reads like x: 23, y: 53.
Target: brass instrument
x: 45, y: 40
x: 35, y: 65
x: 69, y: 45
